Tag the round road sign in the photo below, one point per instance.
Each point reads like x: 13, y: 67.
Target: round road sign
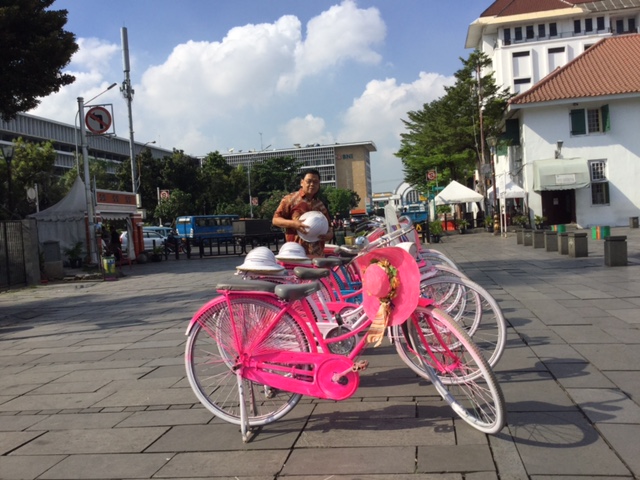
x: 431, y: 175
x: 98, y: 120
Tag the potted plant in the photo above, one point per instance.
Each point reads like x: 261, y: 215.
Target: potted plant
x: 462, y: 225
x: 435, y: 230
x: 488, y: 224
x: 156, y: 253
x: 74, y: 255
x: 539, y: 221
x: 521, y: 221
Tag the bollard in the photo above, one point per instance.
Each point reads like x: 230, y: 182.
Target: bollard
x: 615, y: 251
x: 551, y: 241
x: 538, y: 239
x: 577, y: 244
x: 527, y: 238
x: 563, y: 243
x: 519, y: 236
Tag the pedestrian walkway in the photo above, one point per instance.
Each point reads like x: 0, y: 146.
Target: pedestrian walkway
x: 92, y: 382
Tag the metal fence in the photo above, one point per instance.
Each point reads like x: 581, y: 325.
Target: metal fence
x: 13, y: 270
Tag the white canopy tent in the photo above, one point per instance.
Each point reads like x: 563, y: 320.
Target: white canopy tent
x: 65, y: 221
x: 505, y: 191
x: 457, y: 193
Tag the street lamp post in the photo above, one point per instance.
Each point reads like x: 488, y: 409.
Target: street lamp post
x: 492, y: 142
x: 7, y: 153
x: 92, y: 247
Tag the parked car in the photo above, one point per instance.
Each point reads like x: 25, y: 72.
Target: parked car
x: 149, y: 239
x: 164, y: 231
x: 356, y: 220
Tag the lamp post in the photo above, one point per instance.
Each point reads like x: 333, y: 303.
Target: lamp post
x: 250, y: 198
x: 92, y: 250
x: 492, y: 142
x: 7, y: 153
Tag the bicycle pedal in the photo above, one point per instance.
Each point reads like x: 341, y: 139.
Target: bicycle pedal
x: 360, y: 365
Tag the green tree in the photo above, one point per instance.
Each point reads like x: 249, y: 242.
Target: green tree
x: 215, y: 180
x: 340, y: 201
x: 178, y: 204
x: 35, y: 48
x: 32, y: 163
x: 445, y: 135
x: 270, y: 205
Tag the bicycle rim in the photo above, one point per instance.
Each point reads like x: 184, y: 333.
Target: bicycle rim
x: 211, y: 353
x: 464, y: 378
x: 474, y: 309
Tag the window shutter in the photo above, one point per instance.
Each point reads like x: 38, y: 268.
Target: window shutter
x: 606, y: 121
x: 578, y: 123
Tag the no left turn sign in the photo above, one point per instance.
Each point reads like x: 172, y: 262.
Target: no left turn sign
x: 98, y: 120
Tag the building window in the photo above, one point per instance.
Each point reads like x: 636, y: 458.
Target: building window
x: 518, y: 34
x: 599, y: 182
x: 556, y: 58
x: 577, y: 28
x: 600, y: 24
x: 521, y: 85
x: 588, y: 121
x: 632, y: 25
x: 619, y: 26
x: 542, y: 30
x: 588, y: 25
x: 506, y: 35
x: 530, y: 33
x: 553, y: 29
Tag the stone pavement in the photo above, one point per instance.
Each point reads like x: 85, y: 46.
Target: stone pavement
x: 92, y: 383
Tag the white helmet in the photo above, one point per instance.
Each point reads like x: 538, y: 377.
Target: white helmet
x: 317, y: 223
x: 292, y: 252
x: 260, y: 260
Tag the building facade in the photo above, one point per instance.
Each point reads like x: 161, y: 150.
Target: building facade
x: 66, y: 140
x: 341, y: 165
x: 569, y: 141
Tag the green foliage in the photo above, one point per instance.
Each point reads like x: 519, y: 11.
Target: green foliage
x: 435, y: 227
x: 178, y: 203
x: 270, y: 205
x: 32, y: 163
x: 340, y: 201
x: 445, y: 133
x: 35, y: 49
x: 520, y: 220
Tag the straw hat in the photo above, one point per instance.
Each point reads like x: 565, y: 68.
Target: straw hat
x: 260, y: 260
x: 317, y: 225
x: 292, y: 252
x: 389, y: 276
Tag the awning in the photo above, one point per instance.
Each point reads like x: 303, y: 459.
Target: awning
x: 560, y: 174
x: 113, y: 215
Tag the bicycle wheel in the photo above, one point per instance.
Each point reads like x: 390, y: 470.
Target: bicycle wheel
x: 457, y: 369
x: 473, y: 308
x: 215, y: 342
x: 437, y: 258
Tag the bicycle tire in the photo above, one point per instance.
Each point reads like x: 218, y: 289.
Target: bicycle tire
x: 210, y: 357
x: 472, y: 307
x: 464, y: 379
x: 437, y: 258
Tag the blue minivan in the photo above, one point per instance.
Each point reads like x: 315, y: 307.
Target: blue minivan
x: 206, y: 228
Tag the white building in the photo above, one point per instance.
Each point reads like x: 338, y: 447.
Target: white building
x: 576, y: 67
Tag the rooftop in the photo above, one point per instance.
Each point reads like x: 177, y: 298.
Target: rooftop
x: 610, y: 67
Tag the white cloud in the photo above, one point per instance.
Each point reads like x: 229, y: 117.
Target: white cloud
x: 307, y: 130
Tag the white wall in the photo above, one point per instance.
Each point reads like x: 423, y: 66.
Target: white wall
x: 620, y: 147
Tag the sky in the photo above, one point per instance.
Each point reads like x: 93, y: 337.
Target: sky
x: 212, y: 75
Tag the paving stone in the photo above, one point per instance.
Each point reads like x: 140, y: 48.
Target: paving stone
x: 239, y: 463
x: 118, y: 440
x: 606, y: 405
x: 76, y: 421
x: 469, y: 458
x: 85, y: 467
x: 29, y: 467
x: 624, y: 439
x: 370, y: 460
x: 9, y: 441
x: 167, y: 418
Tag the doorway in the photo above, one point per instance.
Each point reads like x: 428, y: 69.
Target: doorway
x: 559, y: 206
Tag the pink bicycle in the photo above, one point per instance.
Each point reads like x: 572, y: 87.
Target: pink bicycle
x: 254, y: 351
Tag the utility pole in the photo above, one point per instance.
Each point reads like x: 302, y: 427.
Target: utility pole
x: 128, y: 92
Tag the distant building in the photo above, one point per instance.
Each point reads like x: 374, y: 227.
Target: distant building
x: 66, y: 142
x: 341, y: 165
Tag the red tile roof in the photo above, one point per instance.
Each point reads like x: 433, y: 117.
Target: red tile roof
x: 610, y: 67
x: 505, y: 8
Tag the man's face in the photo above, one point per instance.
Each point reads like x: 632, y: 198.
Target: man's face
x: 310, y: 184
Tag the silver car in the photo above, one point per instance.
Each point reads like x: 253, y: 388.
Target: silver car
x: 151, y: 239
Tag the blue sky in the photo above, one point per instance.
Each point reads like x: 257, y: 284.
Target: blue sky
x: 252, y: 74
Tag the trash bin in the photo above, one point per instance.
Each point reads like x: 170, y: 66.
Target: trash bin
x: 633, y: 222
x: 604, y: 232
x: 561, y: 228
x: 109, y: 267
x: 594, y: 233
x: 339, y: 237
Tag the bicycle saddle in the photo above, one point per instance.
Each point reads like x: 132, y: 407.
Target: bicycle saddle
x: 296, y: 292
x: 247, y: 286
x: 311, y: 273
x: 327, y: 262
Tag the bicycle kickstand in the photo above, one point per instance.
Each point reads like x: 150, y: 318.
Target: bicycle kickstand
x: 244, y: 419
